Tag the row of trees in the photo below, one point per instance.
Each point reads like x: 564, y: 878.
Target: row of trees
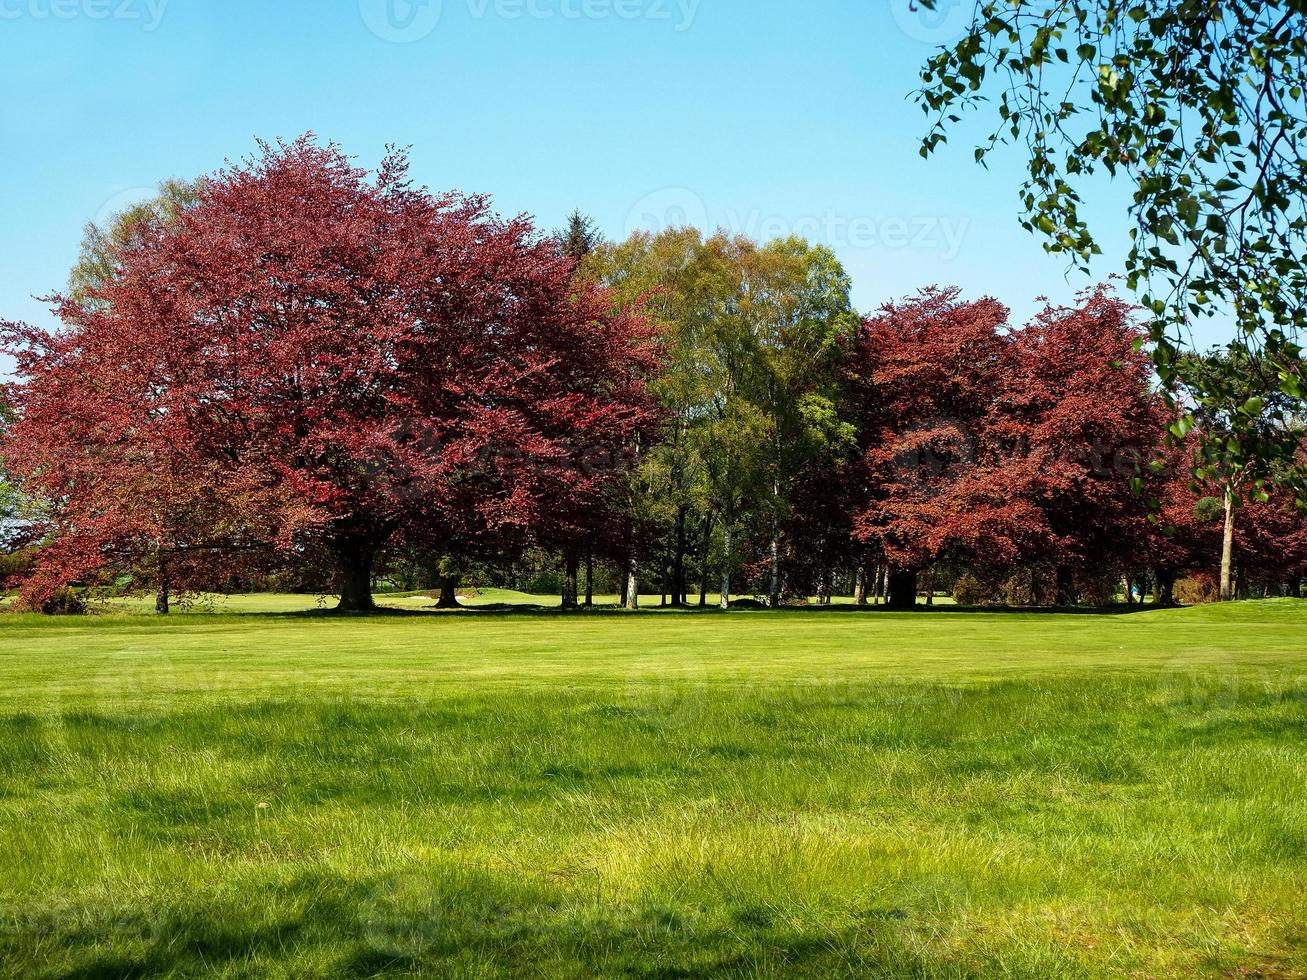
x: 293, y: 368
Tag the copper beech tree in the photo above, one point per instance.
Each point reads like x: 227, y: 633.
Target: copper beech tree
x: 310, y: 361
x: 998, y: 448
x: 926, y: 380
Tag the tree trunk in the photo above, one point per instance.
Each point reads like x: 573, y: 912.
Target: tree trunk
x: 678, y: 560
x: 161, y: 594
x: 632, y: 585
x: 1066, y: 586
x: 882, y: 573
x: 902, y: 588
x: 930, y: 587
x: 589, y: 579
x: 448, y: 592
x: 1294, y: 588
x: 703, y: 561
x: 571, y: 565
x: 354, y: 561
x: 774, y: 585
x: 860, y: 586
x: 726, y: 565
x: 1164, y: 588
x: 1227, y: 550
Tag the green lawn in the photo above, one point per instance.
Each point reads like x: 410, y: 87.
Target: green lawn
x: 799, y: 793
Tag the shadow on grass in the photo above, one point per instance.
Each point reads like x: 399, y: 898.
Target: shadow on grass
x: 531, y: 609
x: 461, y: 920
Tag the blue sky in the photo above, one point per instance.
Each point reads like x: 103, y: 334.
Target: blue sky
x: 763, y: 116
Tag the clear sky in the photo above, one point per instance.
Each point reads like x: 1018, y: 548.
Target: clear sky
x: 761, y: 116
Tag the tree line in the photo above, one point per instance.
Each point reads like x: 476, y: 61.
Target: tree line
x: 293, y: 373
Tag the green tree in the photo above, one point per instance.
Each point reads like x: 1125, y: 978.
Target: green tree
x: 1199, y: 105
x: 752, y: 338
x: 796, y: 303
x: 103, y: 243
x: 673, y: 276
x: 580, y: 237
x: 1248, y: 432
x: 578, y: 240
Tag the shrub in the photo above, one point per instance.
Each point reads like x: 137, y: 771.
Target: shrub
x: 1098, y: 590
x: 1197, y: 590
x: 1018, y: 590
x: 65, y: 602
x: 971, y: 591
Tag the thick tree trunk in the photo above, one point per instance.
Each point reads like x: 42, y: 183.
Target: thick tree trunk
x: 1227, y: 550
x: 448, y: 592
x: 161, y: 605
x: 354, y: 561
x: 1164, y: 588
x: 589, y: 579
x: 571, y: 565
x: 860, y: 586
x: 726, y: 566
x: 632, y: 585
x: 1066, y: 586
x: 1294, y: 588
x: 902, y: 588
x: 882, y: 576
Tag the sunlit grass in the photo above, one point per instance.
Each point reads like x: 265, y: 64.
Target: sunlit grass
x: 794, y: 793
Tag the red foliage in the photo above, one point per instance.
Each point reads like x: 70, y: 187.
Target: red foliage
x: 313, y: 361
x: 1000, y: 448
x: 927, y: 380
x: 1271, y: 541
x: 1079, y: 410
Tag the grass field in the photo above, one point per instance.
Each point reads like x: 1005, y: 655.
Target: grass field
x: 799, y: 793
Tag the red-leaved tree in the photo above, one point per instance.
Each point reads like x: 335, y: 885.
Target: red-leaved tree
x: 927, y: 376
x: 308, y: 361
x: 1079, y: 408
